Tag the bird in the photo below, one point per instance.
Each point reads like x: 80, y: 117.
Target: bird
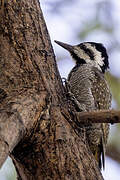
x: 90, y: 89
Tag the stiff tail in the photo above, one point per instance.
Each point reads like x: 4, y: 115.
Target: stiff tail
x: 100, y: 154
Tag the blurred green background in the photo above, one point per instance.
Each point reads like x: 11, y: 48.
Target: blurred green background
x: 73, y: 22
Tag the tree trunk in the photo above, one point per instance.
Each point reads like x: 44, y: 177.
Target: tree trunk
x: 38, y: 130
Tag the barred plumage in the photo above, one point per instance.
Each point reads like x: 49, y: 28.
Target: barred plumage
x: 89, y: 87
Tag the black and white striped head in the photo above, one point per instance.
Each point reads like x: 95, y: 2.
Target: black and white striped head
x: 88, y: 53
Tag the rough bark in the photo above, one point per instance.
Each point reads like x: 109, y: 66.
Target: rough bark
x: 36, y: 127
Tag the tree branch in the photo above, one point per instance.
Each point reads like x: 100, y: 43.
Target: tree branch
x: 102, y: 116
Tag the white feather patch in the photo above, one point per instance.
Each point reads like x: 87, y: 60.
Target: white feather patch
x: 98, y: 59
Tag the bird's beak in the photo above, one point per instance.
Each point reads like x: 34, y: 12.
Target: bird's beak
x: 65, y: 46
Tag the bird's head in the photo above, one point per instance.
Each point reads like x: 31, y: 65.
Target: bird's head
x: 91, y: 53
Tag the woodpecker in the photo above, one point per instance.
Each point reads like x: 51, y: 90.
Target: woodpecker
x: 90, y: 89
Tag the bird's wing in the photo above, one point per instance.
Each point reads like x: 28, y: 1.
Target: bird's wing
x: 102, y: 99
x: 100, y: 90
